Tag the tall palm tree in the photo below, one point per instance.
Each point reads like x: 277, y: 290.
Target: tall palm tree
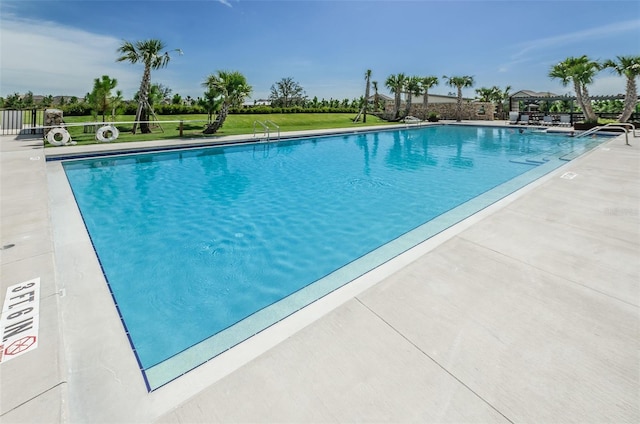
x: 376, y: 96
x: 367, y: 78
x: 150, y: 53
x: 413, y: 88
x: 628, y: 66
x: 231, y: 88
x: 427, y: 83
x: 395, y: 84
x: 581, y: 71
x: 460, y: 83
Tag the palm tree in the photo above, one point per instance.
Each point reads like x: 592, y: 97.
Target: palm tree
x: 149, y: 52
x: 485, y: 94
x: 376, y: 96
x: 499, y: 97
x: 580, y: 71
x: 494, y: 95
x: 231, y: 88
x: 460, y: 83
x: 116, y: 102
x: 628, y: 66
x: 395, y: 84
x: 367, y: 78
x: 413, y: 87
x: 427, y: 83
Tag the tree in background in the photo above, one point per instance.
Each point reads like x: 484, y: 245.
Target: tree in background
x: 628, y: 66
x: 230, y: 88
x: 412, y: 87
x: 581, y: 71
x: 287, y: 92
x: 499, y: 98
x: 376, y: 96
x: 395, y: 83
x: 211, y: 103
x: 47, y: 101
x: 427, y: 83
x: 100, y: 98
x: 460, y: 83
x: 14, y: 101
x: 367, y: 78
x: 158, y: 94
x: 27, y: 99
x: 149, y: 52
x: 494, y: 95
x: 176, y: 99
x: 608, y: 106
x: 484, y: 94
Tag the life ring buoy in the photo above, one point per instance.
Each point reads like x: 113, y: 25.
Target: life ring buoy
x: 58, y: 132
x: 107, y: 133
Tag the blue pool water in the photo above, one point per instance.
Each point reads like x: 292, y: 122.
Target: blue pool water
x: 203, y: 248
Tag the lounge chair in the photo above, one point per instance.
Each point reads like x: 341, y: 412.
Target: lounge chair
x: 411, y: 120
x: 547, y: 120
x: 513, y: 117
x: 524, y: 120
x: 565, y: 121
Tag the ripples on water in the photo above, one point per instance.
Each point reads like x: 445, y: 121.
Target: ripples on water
x: 192, y: 242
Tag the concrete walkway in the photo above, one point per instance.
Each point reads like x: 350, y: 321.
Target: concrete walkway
x: 526, y: 312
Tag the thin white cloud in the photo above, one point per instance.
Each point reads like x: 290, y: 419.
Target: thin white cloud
x: 48, y: 58
x: 525, y: 50
x: 225, y: 2
x: 609, y: 30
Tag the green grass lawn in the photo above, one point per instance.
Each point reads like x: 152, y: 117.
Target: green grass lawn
x: 234, y: 125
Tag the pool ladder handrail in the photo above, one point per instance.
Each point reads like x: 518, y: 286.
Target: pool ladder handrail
x: 625, y: 126
x: 275, y: 125
x: 265, y: 126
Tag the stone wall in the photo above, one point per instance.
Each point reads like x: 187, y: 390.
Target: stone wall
x: 474, y: 111
x: 52, y: 118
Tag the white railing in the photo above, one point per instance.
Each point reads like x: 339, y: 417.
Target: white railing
x: 275, y: 125
x: 625, y: 126
x: 266, y: 128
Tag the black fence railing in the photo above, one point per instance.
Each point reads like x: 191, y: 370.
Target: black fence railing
x: 21, y: 121
x: 579, y: 116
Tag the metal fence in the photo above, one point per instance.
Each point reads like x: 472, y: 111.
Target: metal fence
x: 21, y: 121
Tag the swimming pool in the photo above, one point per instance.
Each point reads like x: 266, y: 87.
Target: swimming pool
x: 204, y: 248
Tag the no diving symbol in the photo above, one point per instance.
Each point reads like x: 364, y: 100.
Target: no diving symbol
x: 20, y: 345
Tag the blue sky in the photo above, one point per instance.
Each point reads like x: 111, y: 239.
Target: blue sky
x: 59, y: 47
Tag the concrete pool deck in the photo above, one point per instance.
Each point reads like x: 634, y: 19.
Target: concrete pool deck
x: 527, y: 311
